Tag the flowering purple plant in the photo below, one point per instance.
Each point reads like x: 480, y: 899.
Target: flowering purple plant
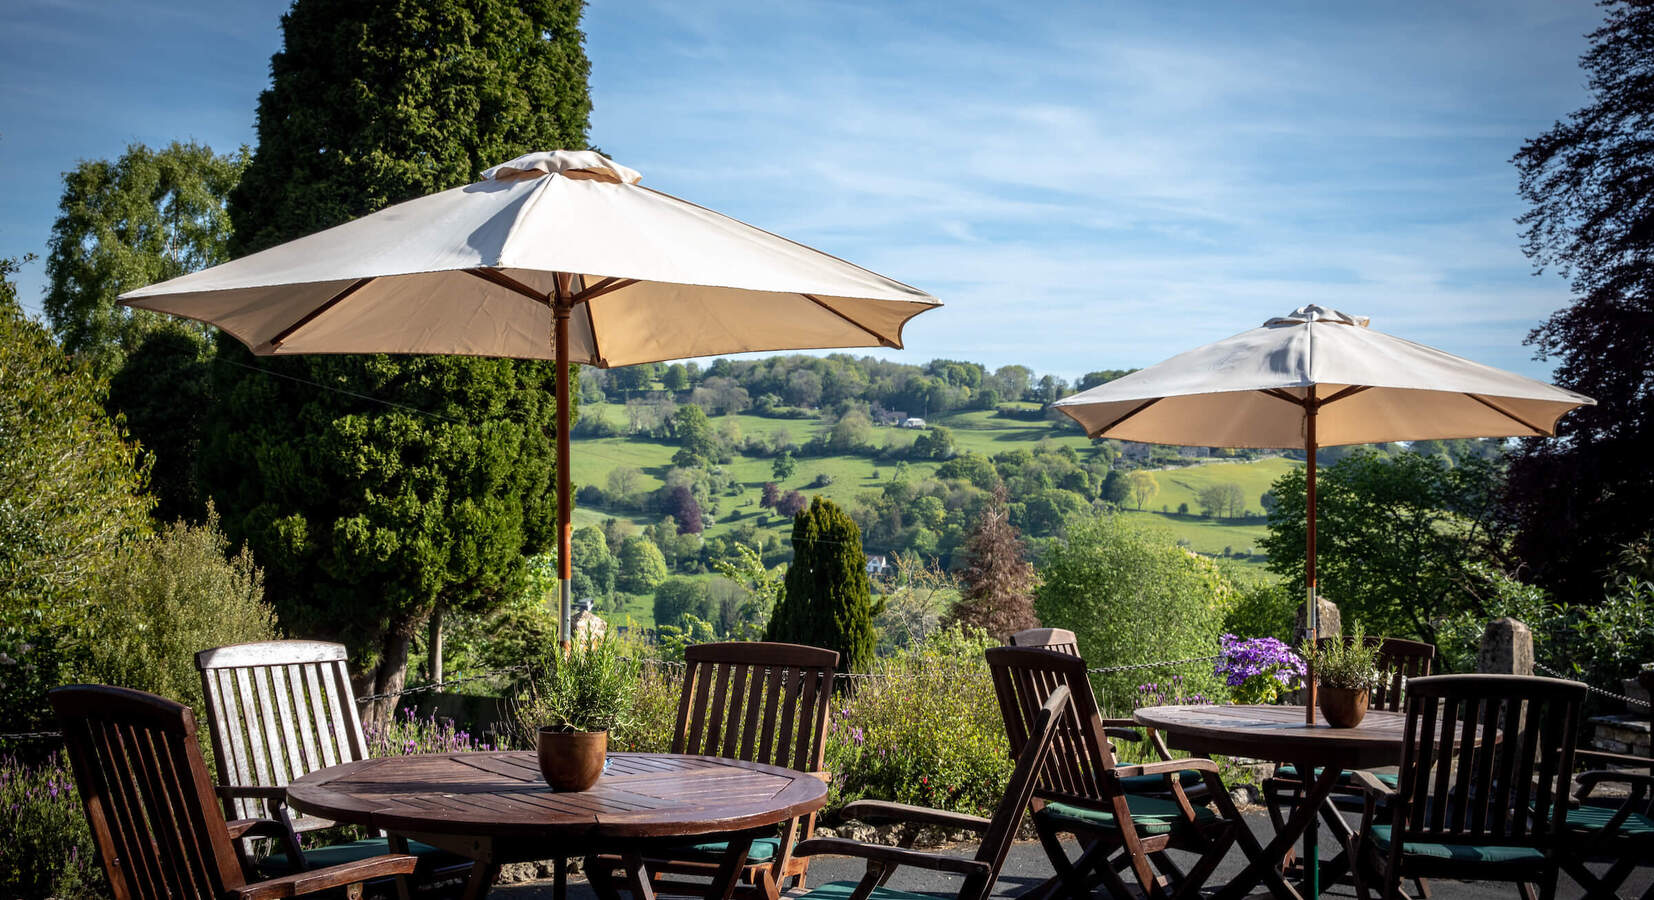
x: 1259, y: 669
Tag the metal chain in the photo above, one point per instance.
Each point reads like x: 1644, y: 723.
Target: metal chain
x: 488, y: 673
x: 1163, y: 664
x: 31, y: 736
x: 1629, y: 701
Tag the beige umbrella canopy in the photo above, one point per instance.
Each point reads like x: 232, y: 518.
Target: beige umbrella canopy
x: 1317, y: 378
x: 555, y: 255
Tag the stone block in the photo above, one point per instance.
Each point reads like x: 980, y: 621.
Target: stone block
x: 1506, y: 648
x: 1330, y: 623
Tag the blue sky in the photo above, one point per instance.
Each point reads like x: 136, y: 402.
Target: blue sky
x: 1086, y: 186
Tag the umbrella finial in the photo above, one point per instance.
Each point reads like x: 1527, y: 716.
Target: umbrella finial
x: 568, y: 163
x: 1315, y: 313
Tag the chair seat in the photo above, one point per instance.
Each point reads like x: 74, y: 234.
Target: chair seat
x: 1154, y: 784
x: 351, y: 851
x: 1589, y: 819
x: 1290, y: 773
x: 1149, y: 815
x: 1470, y: 853
x: 763, y: 850
x: 839, y: 890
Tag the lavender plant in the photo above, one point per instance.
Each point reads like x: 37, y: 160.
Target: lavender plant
x: 1259, y: 670
x: 47, y: 850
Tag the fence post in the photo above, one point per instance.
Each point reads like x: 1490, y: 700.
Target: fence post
x: 1506, y: 648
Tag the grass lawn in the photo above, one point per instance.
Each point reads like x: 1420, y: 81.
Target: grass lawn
x: 1183, y: 485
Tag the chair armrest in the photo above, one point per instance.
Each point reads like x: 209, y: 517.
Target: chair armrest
x: 264, y: 828
x: 881, y: 812
x: 1367, y: 781
x: 1600, y: 758
x: 1594, y: 777
x: 331, y: 877
x: 251, y: 792
x: 821, y: 775
x: 1167, y: 766
x: 891, y: 856
x: 1123, y: 729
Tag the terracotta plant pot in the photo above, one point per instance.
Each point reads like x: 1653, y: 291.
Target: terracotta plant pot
x: 1343, y: 707
x: 571, y: 760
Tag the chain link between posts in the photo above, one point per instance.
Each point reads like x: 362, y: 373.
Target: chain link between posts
x: 1628, y: 701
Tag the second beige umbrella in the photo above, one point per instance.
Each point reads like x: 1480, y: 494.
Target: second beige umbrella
x: 1317, y: 378
x: 556, y: 255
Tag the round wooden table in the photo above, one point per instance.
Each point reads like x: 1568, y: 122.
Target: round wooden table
x: 495, y: 808
x: 1279, y: 733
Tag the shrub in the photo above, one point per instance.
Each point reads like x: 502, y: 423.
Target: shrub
x: 47, y: 850
x: 1262, y: 609
x: 654, y: 710
x: 409, y: 734
x: 1132, y: 596
x: 927, y: 731
x: 170, y: 597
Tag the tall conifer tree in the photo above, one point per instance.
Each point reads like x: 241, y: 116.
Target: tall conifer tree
x: 416, y: 483
x: 998, y: 583
x: 828, y: 601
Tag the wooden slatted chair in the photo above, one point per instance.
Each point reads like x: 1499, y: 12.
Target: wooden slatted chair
x: 279, y: 710
x: 154, y: 815
x: 1491, y: 809
x: 982, y: 869
x: 1620, y: 828
x: 1061, y: 640
x: 1083, y: 795
x: 753, y: 701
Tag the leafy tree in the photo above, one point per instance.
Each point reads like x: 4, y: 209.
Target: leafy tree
x: 972, y: 467
x: 935, y: 442
x: 1224, y: 500
x: 148, y: 216
x: 770, y: 495
x: 699, y: 443
x: 632, y: 379
x: 853, y: 431
x: 676, y: 377
x: 1116, y: 488
x: 997, y: 582
x: 676, y: 598
x: 70, y: 502
x: 1394, y: 536
x: 784, y: 466
x: 791, y: 503
x: 1576, y: 500
x: 828, y: 601
x: 164, y: 390
x: 368, y: 517
x: 623, y: 483
x: 1131, y: 595
x: 642, y: 566
x: 1013, y: 382
x: 1142, y: 486
x: 681, y: 506
x: 594, y: 566
x: 1091, y: 379
x: 1045, y: 512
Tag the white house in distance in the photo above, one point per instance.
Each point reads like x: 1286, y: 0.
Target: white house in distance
x: 914, y: 422
x: 877, y: 563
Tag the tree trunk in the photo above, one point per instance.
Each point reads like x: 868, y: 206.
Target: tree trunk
x: 390, y: 675
x: 434, y: 660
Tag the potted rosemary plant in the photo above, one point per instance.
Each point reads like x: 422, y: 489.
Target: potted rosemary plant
x: 1347, y: 671
x: 573, y: 704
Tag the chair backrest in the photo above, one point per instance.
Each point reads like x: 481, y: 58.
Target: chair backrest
x: 1508, y: 788
x: 154, y: 817
x: 1024, y: 679
x: 279, y: 710
x: 1059, y: 639
x: 1406, y: 660
x: 1031, y: 760
x: 758, y: 702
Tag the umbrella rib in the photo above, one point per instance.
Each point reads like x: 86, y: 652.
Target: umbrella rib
x: 307, y: 318
x: 883, y: 341
x: 606, y: 286
x: 1099, y: 432
x: 1279, y: 394
x: 1350, y: 391
x: 1511, y: 416
x: 495, y: 276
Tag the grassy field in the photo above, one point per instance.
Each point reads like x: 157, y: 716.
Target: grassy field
x: 979, y: 431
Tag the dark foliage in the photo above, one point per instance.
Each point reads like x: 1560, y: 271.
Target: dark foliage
x: 828, y: 601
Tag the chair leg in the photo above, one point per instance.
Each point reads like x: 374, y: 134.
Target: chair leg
x: 1072, y: 879
x: 1208, y: 862
x: 1525, y: 888
x: 560, y: 878
x: 601, y: 878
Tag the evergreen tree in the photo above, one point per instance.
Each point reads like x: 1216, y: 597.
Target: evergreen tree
x: 1579, y: 499
x: 997, y: 592
x: 368, y: 515
x: 828, y: 601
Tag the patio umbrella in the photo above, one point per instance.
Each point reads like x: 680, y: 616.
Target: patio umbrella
x: 557, y: 255
x: 1317, y: 378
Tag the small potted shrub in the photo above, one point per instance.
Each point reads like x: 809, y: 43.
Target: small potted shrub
x: 1347, y: 672
x: 574, y: 703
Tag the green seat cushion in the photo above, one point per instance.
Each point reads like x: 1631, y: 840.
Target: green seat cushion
x: 351, y: 851
x: 1153, y: 784
x: 763, y: 850
x: 1458, y: 852
x: 1389, y: 778
x: 1595, y: 818
x: 840, y: 890
x: 1150, y: 815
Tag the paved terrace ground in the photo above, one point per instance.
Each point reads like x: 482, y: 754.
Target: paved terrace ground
x: 1026, y: 867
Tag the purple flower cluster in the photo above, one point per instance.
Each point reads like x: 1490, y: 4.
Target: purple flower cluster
x: 409, y: 735
x: 1259, y: 668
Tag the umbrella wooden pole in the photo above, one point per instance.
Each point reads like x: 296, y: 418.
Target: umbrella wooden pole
x: 561, y: 309
x: 1312, y: 607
